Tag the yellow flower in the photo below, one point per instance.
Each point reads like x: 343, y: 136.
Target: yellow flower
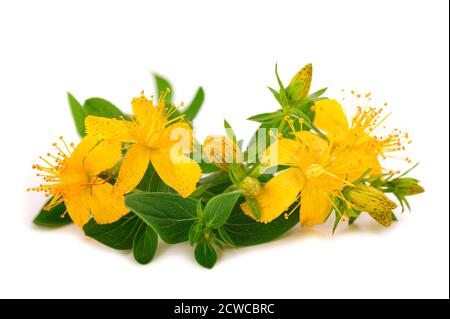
x: 72, y: 177
x: 369, y: 199
x: 316, y: 174
x: 153, y: 138
x: 330, y: 117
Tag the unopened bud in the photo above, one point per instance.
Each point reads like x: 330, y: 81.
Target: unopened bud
x: 221, y: 151
x: 300, y: 84
x: 408, y: 186
x: 250, y: 186
x: 369, y: 199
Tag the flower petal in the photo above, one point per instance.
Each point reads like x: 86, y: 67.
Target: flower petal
x: 133, y: 168
x: 352, y: 164
x: 314, y: 146
x: 77, y: 206
x: 287, y: 151
x: 80, y: 151
x: 106, y: 205
x: 104, y: 128
x: 315, y: 205
x: 178, y: 132
x: 142, y: 109
x: 103, y: 156
x: 182, y: 174
x: 278, y: 194
x: 330, y: 117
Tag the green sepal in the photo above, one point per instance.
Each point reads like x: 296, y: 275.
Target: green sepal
x: 267, y: 118
x: 317, y: 95
x: 282, y: 96
x: 276, y: 94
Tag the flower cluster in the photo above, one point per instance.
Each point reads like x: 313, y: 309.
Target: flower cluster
x: 134, y: 178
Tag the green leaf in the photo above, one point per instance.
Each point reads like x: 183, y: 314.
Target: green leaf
x: 337, y: 219
x: 351, y: 220
x: 394, y: 218
x: 282, y: 96
x: 199, y: 208
x: 162, y: 84
x: 118, y: 235
x: 282, y: 89
x: 275, y: 93
x: 78, y: 114
x: 409, y: 170
x: 100, y: 107
x: 244, y: 231
x: 267, y: 118
x: 304, y: 110
x: 169, y: 214
x: 219, y: 208
x: 53, y: 217
x: 145, y: 243
x: 316, y: 95
x: 293, y: 90
x: 151, y: 182
x: 354, y: 216
x: 253, y: 206
x: 205, y: 254
x: 192, y: 110
x: 225, y: 237
x: 229, y: 130
x: 208, y: 167
x: 352, y: 213
x: 195, y: 232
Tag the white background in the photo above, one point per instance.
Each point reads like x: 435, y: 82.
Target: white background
x: 397, y: 49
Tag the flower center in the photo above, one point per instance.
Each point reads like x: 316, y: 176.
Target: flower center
x: 315, y: 170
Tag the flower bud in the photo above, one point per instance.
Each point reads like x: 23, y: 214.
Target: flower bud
x: 407, y: 186
x: 250, y: 186
x: 221, y: 151
x: 371, y: 200
x: 300, y: 84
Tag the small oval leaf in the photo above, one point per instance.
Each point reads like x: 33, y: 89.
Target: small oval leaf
x: 219, y: 208
x: 205, y: 254
x: 144, y: 244
x: 100, y: 107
